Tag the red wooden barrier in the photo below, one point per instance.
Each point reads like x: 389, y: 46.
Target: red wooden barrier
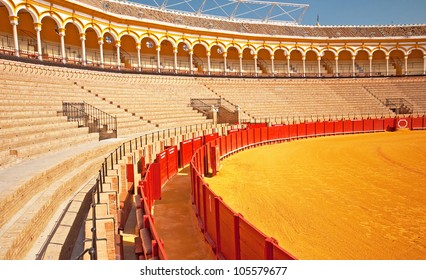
x: 293, y: 130
x: 320, y: 128
x: 273, y: 133
x: 379, y: 125
x: 196, y: 144
x: 228, y: 143
x: 301, y: 130
x: 244, y: 138
x: 142, y: 166
x: 222, y: 146
x: 311, y: 129
x: 162, y: 161
x: 227, y: 232
x: 358, y: 126
x: 390, y: 124
x: 348, y: 126
x: 368, y: 125
x: 156, y: 183
x: 210, y: 137
x: 172, y: 161
x: 417, y: 123
x: 234, y: 144
x: 263, y: 134
x: 239, y: 139
x: 250, y: 133
x: 210, y: 229
x: 185, y: 153
x: 130, y: 173
x: 257, y: 135
x: 251, y: 240
x: 329, y: 128
x: 338, y: 127
x: 285, y: 130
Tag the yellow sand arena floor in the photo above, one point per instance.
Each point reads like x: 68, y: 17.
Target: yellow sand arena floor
x: 342, y: 197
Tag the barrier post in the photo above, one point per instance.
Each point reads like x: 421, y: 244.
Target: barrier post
x: 217, y: 201
x: 237, y: 236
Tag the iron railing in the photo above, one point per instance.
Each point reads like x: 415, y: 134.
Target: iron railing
x: 89, y: 116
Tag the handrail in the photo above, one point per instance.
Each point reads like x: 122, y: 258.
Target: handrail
x: 89, y: 116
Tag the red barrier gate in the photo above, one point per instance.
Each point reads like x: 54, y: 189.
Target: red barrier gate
x: 404, y: 123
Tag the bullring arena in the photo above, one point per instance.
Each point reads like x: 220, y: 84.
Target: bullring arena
x: 134, y: 132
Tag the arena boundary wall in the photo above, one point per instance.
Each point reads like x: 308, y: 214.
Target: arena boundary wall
x: 228, y: 233
x: 137, y: 170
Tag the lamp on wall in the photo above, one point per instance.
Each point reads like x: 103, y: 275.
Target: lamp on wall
x: 149, y: 45
x: 219, y: 50
x: 185, y: 48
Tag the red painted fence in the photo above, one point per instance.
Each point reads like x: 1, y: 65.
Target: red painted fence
x: 229, y: 234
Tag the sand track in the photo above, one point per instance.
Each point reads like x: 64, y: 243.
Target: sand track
x: 342, y: 197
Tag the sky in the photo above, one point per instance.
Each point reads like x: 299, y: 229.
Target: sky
x: 341, y: 12
x: 364, y: 12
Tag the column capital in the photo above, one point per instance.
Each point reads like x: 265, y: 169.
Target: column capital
x: 82, y: 36
x: 225, y: 54
x: 14, y: 20
x: 272, y: 57
x: 37, y: 26
x: 138, y: 46
x: 175, y: 50
x: 158, y: 48
x: 100, y: 40
x: 61, y: 32
x: 209, y: 53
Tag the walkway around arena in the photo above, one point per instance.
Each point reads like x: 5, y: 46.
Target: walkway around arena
x: 176, y: 223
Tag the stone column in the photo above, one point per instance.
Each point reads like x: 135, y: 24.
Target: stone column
x: 191, y: 65
x: 37, y: 27
x: 138, y: 50
x: 240, y: 56
x: 118, y: 45
x: 83, y: 48
x: 273, y: 65
x: 208, y: 63
x: 14, y: 22
x: 101, y: 50
x: 304, y: 65
x: 175, y: 60
x: 158, y: 59
x: 63, y: 53
x: 387, y: 65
